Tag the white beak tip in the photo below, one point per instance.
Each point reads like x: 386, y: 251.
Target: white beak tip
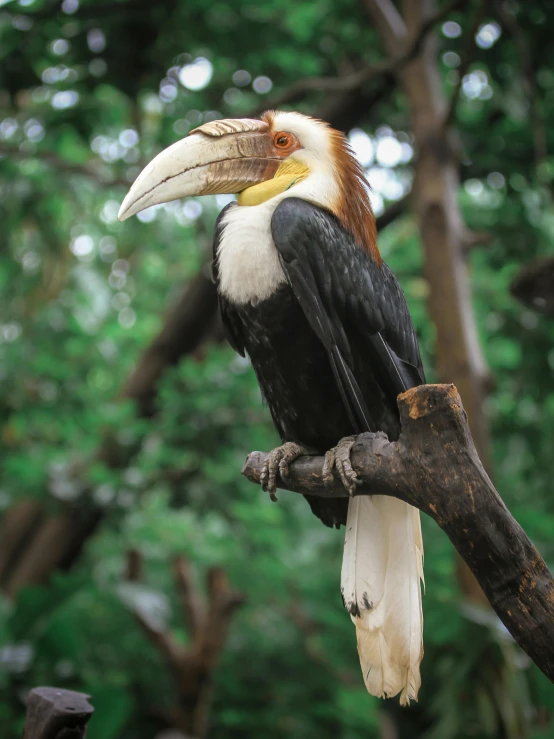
x: 128, y: 208
x: 122, y: 215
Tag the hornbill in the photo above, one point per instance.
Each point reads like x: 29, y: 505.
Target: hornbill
x: 304, y: 292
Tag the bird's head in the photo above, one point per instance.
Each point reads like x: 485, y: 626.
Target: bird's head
x: 281, y: 154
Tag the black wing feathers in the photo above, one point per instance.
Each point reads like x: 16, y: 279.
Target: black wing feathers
x: 347, y: 297
x: 325, y: 323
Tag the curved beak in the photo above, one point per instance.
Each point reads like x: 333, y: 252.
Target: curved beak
x: 224, y: 156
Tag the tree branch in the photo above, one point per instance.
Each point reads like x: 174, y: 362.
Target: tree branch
x: 389, y: 21
x: 434, y: 466
x: 193, y: 666
x: 194, y: 608
x: 360, y: 77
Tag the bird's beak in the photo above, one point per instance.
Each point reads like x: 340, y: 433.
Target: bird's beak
x: 224, y: 156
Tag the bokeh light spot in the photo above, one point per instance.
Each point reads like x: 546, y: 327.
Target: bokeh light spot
x: 197, y: 75
x: 241, y: 78
x: 60, y: 46
x: 451, y: 29
x: 82, y: 246
x: 65, y: 99
x: 389, y: 151
x: 70, y: 6
x: 488, y: 35
x: 96, y: 40
x: 262, y: 85
x: 362, y: 146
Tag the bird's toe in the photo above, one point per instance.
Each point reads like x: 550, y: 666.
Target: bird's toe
x: 277, y: 463
x: 339, y: 459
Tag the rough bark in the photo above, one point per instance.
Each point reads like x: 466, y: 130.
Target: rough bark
x: 435, y: 467
x: 53, y: 713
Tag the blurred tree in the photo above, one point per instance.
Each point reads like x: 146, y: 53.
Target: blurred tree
x: 90, y: 91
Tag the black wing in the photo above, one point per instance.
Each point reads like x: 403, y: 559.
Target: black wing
x: 347, y: 298
x: 231, y: 326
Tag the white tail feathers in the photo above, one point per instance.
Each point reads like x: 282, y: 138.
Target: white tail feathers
x: 381, y: 572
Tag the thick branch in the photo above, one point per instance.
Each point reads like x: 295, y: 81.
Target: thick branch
x: 53, y: 713
x: 434, y: 466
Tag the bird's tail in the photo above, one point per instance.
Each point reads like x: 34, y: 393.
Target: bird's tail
x: 381, y: 572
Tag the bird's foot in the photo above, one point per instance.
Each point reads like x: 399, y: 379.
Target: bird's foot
x: 277, y: 463
x: 339, y: 458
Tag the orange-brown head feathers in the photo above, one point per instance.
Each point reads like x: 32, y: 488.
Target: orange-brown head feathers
x: 353, y: 206
x: 337, y: 180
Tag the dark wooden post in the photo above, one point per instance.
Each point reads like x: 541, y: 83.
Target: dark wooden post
x: 53, y: 713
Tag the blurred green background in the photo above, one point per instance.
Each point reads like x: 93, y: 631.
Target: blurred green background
x: 125, y: 418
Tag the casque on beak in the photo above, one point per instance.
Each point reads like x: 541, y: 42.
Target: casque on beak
x: 225, y: 156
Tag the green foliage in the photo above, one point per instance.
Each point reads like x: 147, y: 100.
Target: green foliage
x: 88, y: 93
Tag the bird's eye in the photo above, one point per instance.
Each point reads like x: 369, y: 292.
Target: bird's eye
x: 282, y: 140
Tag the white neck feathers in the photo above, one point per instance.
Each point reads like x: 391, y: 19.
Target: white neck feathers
x: 249, y: 266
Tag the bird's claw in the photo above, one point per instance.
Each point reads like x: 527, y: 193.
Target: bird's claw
x: 339, y: 458
x: 277, y: 463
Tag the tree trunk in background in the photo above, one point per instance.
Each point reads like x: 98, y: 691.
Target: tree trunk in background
x: 435, y: 194
x: 435, y: 198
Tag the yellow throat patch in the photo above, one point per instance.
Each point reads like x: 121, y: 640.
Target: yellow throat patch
x: 288, y: 174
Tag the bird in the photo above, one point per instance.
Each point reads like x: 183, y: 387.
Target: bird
x: 304, y: 292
